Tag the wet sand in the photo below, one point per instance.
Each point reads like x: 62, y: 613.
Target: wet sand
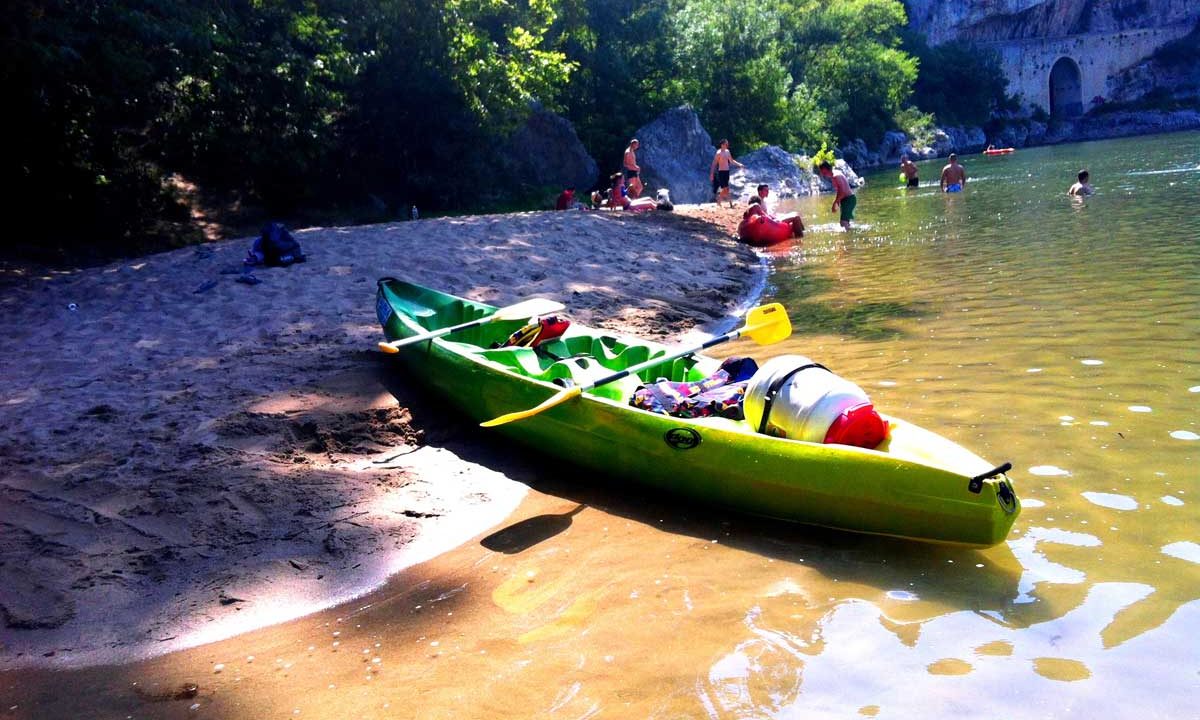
x: 187, y: 457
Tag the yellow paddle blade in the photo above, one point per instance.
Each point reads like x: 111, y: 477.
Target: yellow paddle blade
x: 767, y: 324
x: 559, y: 399
x: 389, y: 348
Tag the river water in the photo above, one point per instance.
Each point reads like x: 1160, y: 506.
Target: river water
x: 1061, y: 335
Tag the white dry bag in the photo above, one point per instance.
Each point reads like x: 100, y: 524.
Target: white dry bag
x: 793, y: 397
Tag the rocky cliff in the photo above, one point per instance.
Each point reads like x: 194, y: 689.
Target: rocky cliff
x: 998, y: 20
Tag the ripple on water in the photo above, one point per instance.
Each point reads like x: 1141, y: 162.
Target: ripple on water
x: 1111, y: 501
x: 1194, y: 388
x: 1048, y: 471
x: 1091, y: 361
x: 1185, y: 550
x: 1027, y: 503
x: 1169, y: 500
x: 1140, y: 408
x: 902, y: 595
x: 1184, y: 435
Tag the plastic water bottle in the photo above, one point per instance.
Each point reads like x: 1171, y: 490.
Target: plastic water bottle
x: 415, y: 215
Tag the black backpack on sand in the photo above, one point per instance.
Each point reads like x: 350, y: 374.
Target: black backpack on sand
x: 275, y: 247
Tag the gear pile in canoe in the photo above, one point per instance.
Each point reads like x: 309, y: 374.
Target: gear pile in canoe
x: 790, y: 441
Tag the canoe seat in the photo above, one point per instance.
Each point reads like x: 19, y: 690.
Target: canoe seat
x: 521, y: 360
x: 579, y: 369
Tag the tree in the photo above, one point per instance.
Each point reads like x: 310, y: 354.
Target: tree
x: 848, y: 53
x: 960, y: 84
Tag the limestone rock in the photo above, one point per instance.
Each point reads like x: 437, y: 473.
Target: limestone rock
x: 546, y: 153
x: 675, y: 153
x: 789, y: 175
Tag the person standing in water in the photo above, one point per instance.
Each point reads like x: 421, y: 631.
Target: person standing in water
x: 909, y: 168
x: 631, y: 170
x: 954, y: 176
x: 1083, y: 187
x: 718, y: 173
x: 844, y: 197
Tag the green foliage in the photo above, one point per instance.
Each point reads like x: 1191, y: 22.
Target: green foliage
x: 959, y: 84
x: 294, y: 105
x: 849, y: 51
x: 732, y: 69
x: 824, y: 155
x: 624, y: 70
x: 918, y: 126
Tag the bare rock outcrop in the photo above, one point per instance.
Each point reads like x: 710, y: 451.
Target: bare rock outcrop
x: 675, y: 153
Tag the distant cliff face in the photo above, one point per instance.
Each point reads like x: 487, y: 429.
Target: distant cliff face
x: 999, y: 20
x: 1067, y: 56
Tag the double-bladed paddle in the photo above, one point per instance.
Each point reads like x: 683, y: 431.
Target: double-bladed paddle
x: 765, y: 324
x: 520, y: 311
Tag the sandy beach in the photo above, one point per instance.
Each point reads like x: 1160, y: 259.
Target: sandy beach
x: 186, y: 457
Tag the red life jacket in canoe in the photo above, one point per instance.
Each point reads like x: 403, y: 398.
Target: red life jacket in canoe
x: 535, y: 333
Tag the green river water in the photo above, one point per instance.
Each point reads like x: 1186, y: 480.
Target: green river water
x: 1060, y: 335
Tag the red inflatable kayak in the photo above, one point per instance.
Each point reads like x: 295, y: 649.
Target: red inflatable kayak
x: 761, y: 231
x: 999, y: 151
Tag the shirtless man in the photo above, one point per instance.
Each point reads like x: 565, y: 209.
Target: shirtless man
x: 631, y: 170
x: 909, y: 168
x: 1082, y: 188
x: 844, y: 196
x: 718, y: 173
x: 954, y: 176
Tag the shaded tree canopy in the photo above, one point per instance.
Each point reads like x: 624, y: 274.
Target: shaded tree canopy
x: 292, y: 105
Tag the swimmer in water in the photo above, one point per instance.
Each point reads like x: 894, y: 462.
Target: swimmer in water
x: 954, y: 176
x: 1083, y: 188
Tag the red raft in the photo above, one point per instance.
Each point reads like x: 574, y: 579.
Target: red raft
x: 999, y: 151
x: 761, y: 231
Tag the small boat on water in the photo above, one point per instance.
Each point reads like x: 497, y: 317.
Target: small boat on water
x: 912, y: 484
x: 999, y: 151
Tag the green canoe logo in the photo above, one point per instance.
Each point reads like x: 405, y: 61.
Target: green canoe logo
x: 682, y: 438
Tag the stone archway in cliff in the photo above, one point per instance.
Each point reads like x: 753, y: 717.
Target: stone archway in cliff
x: 1066, y: 88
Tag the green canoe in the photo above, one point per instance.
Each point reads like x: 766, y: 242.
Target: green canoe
x: 915, y: 485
